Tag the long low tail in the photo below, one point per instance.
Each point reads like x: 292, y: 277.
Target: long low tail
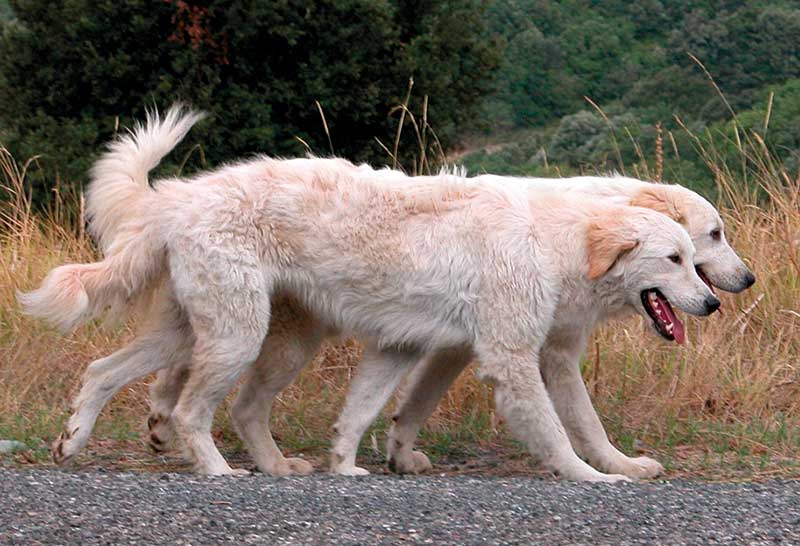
x: 71, y: 295
x: 120, y: 205
x: 119, y: 179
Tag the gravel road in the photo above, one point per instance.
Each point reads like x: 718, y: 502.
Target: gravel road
x: 49, y: 506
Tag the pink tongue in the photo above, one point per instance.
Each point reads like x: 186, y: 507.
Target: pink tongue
x: 678, y: 331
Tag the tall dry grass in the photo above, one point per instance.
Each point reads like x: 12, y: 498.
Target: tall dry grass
x: 733, y: 390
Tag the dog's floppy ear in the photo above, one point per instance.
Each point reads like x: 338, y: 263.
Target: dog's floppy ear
x: 607, y: 239
x: 660, y: 199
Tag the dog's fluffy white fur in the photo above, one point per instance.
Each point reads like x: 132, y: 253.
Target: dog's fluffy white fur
x: 443, y: 268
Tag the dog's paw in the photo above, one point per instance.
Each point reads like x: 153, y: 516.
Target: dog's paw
x: 65, y: 447
x: 291, y: 466
x: 350, y: 471
x: 300, y: 466
x: 609, y: 478
x: 160, y: 432
x: 227, y: 471
x: 344, y: 465
x: 409, y: 462
x: 642, y: 467
x: 585, y: 473
x: 636, y: 468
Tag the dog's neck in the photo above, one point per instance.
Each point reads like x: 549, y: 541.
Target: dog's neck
x: 590, y: 302
x: 593, y: 299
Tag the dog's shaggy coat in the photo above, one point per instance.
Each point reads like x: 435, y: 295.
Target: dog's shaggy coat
x: 446, y: 268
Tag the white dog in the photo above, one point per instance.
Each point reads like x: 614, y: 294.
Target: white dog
x: 437, y: 267
x: 715, y: 261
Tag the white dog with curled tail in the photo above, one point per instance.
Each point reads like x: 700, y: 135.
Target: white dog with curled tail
x: 436, y: 265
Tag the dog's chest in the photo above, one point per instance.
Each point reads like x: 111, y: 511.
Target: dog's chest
x: 572, y: 313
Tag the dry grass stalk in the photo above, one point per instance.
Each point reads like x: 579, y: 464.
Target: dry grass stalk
x: 659, y: 154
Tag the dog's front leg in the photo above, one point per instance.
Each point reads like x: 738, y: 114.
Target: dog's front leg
x: 522, y: 399
x: 376, y: 379
x: 561, y: 371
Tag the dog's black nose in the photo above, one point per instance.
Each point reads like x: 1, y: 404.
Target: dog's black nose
x: 749, y: 280
x: 712, y: 304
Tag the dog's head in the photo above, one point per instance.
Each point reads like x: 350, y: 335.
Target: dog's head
x: 647, y: 260
x: 716, y: 262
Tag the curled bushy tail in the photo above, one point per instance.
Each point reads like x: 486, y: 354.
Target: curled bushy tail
x: 71, y: 295
x: 119, y: 178
x: 120, y: 207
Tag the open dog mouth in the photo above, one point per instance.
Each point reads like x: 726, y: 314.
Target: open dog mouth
x: 706, y: 280
x: 664, y: 319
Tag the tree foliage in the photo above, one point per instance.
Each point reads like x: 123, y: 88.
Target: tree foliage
x: 635, y: 55
x: 72, y: 72
x: 643, y: 64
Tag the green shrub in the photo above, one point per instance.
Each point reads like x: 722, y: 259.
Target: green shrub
x: 72, y: 72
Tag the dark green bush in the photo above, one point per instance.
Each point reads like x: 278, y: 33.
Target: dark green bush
x: 72, y: 72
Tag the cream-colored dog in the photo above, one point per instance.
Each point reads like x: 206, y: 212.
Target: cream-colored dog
x: 443, y: 267
x: 715, y: 261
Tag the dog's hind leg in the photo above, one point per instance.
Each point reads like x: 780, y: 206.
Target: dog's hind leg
x: 377, y: 377
x: 427, y: 383
x: 294, y: 336
x: 561, y: 371
x: 160, y: 337
x: 164, y: 393
x: 230, y: 322
x: 217, y: 363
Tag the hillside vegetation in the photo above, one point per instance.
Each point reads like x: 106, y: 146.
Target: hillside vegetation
x: 280, y: 78
x: 590, y: 85
x: 510, y: 86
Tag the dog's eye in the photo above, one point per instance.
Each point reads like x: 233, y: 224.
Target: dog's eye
x: 716, y: 234
x: 675, y: 258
